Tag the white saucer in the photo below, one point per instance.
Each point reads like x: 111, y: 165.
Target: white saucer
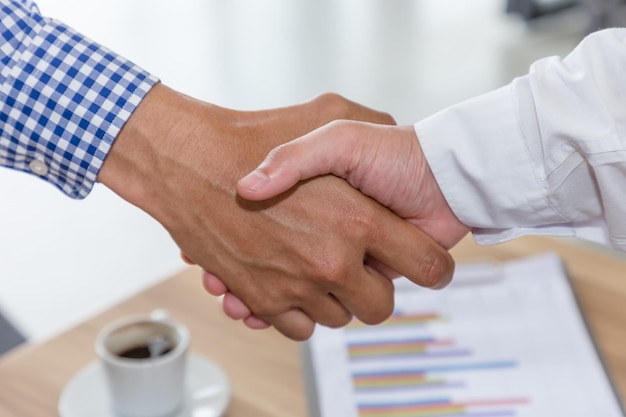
x: 208, y: 394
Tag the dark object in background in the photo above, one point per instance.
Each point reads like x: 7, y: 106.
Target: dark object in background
x: 531, y: 9
x: 9, y: 336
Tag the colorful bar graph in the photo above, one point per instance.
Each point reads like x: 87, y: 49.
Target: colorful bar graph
x: 441, y: 408
x: 392, y: 371
x: 513, y: 345
x: 458, y: 367
x: 415, y: 381
x: 420, y: 347
x: 399, y: 319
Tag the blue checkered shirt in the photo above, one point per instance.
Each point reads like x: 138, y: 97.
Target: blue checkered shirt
x: 63, y: 98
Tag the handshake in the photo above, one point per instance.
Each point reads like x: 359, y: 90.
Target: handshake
x: 298, y: 215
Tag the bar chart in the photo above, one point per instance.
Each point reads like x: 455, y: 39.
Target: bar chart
x: 427, y: 369
x: 513, y: 346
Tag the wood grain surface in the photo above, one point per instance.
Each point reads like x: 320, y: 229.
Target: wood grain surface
x: 264, y: 367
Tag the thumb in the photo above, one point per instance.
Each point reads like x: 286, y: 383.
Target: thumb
x: 319, y: 152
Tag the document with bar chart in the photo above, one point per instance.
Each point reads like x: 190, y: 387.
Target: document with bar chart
x: 502, y: 340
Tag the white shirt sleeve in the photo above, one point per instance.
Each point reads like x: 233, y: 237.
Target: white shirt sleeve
x: 545, y: 154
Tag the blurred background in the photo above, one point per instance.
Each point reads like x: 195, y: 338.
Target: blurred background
x: 62, y: 261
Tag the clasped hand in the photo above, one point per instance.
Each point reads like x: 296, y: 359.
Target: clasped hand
x: 382, y: 161
x: 321, y: 252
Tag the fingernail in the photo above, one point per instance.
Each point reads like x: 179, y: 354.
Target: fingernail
x: 255, y: 181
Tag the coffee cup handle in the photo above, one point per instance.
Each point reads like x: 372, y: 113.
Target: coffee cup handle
x: 161, y: 315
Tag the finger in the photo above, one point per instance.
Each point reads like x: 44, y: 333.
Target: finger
x: 212, y: 284
x: 370, y: 115
x: 383, y: 269
x: 255, y: 323
x: 234, y: 307
x: 324, y: 308
x: 237, y: 310
x: 294, y: 324
x: 327, y: 311
x: 323, y: 151
x: 367, y: 294
x: 409, y: 251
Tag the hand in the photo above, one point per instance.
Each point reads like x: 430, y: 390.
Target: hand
x: 384, y: 162
x: 303, y: 257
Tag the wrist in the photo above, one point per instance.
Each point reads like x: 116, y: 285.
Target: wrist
x: 145, y: 160
x: 444, y: 225
x: 433, y: 214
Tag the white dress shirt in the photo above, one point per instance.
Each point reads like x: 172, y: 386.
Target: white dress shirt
x: 545, y: 154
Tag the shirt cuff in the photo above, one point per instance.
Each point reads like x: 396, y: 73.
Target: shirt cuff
x: 480, y: 160
x: 594, y: 230
x: 63, y: 101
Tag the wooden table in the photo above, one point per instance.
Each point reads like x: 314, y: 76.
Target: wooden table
x: 264, y: 368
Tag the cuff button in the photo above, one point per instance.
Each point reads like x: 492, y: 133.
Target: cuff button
x: 38, y: 167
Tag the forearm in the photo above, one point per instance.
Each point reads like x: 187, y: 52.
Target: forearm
x: 169, y: 139
x: 538, y: 155
x: 138, y: 165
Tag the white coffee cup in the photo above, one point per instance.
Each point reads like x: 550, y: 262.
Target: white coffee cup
x: 152, y: 386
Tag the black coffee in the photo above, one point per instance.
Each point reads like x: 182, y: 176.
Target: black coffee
x: 144, y: 352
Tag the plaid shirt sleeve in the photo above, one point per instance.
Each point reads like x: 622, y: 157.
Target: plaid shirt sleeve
x: 63, y: 98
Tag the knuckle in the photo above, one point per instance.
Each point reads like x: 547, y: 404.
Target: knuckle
x: 342, y: 107
x: 340, y: 128
x: 330, y: 271
x: 330, y: 99
x: 264, y: 306
x: 278, y: 154
x: 337, y: 105
x: 344, y: 132
x: 385, y: 119
x: 362, y: 223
